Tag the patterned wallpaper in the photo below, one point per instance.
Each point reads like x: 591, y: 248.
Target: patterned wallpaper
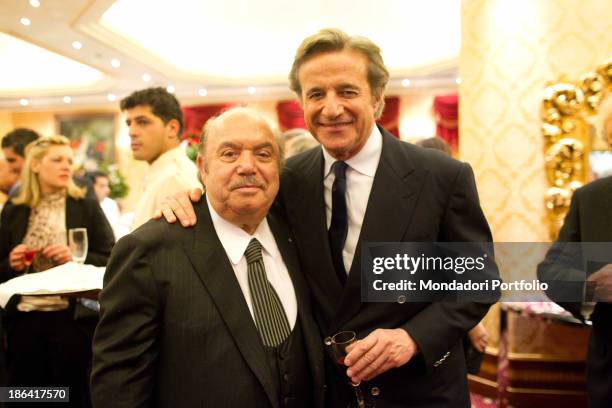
x: 510, y: 50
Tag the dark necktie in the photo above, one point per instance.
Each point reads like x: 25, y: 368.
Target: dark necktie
x: 270, y: 317
x: 339, y: 222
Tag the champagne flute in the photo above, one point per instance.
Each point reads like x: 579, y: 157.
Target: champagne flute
x: 589, y: 303
x: 77, y: 242
x: 339, y: 342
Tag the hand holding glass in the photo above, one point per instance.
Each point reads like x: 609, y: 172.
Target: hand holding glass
x: 339, y: 342
x: 28, y: 257
x: 77, y: 242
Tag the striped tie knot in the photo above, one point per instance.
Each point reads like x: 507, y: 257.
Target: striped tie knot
x: 253, y: 251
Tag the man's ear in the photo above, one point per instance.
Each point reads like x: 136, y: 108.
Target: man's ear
x: 173, y: 126
x: 377, y: 99
x: 200, y: 164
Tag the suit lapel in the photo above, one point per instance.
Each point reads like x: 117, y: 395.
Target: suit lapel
x: 310, y: 222
x: 397, y: 185
x: 214, y: 269
x: 287, y: 250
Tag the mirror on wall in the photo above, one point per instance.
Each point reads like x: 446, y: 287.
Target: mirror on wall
x: 576, y: 150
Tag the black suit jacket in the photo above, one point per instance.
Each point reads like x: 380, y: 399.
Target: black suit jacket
x: 589, y: 219
x: 417, y: 195
x: 79, y: 213
x: 175, y: 329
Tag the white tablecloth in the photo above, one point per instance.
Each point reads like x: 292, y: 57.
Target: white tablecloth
x: 70, y: 277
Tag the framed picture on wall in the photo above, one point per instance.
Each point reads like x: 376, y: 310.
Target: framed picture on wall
x: 92, y: 136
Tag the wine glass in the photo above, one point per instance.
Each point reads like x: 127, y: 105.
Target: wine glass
x: 339, y: 342
x: 28, y: 257
x: 77, y: 242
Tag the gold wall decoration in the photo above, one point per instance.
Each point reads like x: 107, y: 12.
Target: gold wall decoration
x: 565, y: 110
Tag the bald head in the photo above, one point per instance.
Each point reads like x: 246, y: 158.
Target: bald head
x: 249, y: 117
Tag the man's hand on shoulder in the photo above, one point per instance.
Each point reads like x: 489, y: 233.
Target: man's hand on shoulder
x: 180, y: 206
x: 380, y: 351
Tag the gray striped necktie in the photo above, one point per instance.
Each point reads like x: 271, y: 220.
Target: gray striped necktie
x: 270, y: 317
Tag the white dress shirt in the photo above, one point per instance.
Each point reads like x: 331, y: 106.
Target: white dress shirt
x: 171, y: 173
x: 359, y: 179
x: 235, y: 241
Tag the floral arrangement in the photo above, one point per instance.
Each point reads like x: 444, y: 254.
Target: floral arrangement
x: 118, y: 185
x: 193, y: 142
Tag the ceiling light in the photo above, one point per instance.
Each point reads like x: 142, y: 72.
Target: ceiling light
x: 77, y: 45
x: 405, y: 82
x: 25, y: 21
x: 115, y: 63
x: 202, y: 92
x: 458, y: 81
x: 146, y: 77
x: 251, y: 90
x: 171, y: 89
x: 59, y: 72
x: 35, y: 3
x: 67, y: 99
x: 111, y: 97
x: 24, y: 102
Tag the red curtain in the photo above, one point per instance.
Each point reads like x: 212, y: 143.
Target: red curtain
x: 291, y: 115
x: 446, y: 112
x: 390, y: 116
x: 196, y: 116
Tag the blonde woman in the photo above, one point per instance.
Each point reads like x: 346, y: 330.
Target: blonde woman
x: 45, y: 344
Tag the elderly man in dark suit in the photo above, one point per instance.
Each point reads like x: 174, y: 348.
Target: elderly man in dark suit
x: 218, y: 315
x: 364, y: 185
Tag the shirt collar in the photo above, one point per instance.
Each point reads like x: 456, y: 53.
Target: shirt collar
x: 235, y: 240
x: 167, y: 157
x: 365, y: 161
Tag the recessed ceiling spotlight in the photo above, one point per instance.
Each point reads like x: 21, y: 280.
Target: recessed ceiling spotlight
x: 202, y: 92
x: 24, y: 102
x: 458, y: 81
x: 146, y: 77
x: 171, y: 89
x: 77, y: 45
x: 115, y: 63
x: 251, y: 90
x: 25, y: 21
x: 35, y: 3
x: 405, y: 82
x: 67, y: 99
x: 111, y: 97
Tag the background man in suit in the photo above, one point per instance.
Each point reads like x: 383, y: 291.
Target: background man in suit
x: 215, y: 316
x: 364, y: 185
x: 589, y: 219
